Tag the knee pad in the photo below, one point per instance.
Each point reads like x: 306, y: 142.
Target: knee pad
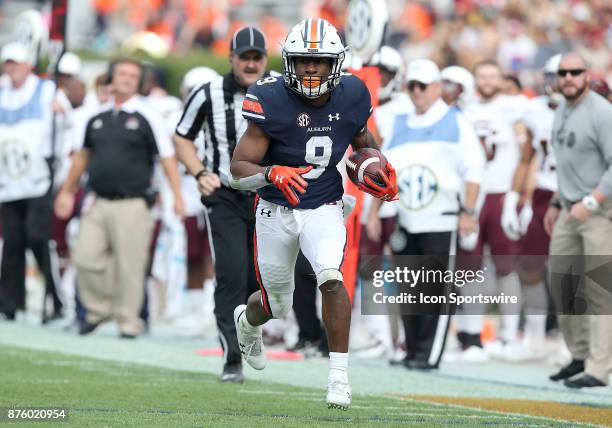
x: 329, y: 275
x: 280, y: 304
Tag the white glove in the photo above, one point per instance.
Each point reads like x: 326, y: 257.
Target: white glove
x: 510, y: 220
x: 524, y: 217
x: 469, y: 241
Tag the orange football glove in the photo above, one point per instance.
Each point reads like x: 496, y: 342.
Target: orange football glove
x: 288, y: 180
x: 387, y: 192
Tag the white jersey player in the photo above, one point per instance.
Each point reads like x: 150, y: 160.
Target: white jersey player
x: 494, y: 117
x: 527, y: 225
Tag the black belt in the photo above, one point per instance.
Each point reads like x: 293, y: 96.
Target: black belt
x: 119, y: 197
x: 568, y: 204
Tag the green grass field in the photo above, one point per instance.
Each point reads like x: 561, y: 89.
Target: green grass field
x: 100, y: 393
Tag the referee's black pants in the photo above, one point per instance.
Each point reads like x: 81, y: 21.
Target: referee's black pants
x: 425, y: 329
x: 232, y: 224
x: 26, y: 223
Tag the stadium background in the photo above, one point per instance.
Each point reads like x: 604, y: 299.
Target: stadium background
x: 180, y: 34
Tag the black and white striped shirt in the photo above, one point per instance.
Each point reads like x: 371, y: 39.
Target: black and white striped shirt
x: 215, y: 109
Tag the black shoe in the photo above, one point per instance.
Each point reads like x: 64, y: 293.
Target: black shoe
x: 572, y: 369
x: 418, y: 365
x: 584, y: 381
x: 87, y: 327
x: 232, y: 373
x: 7, y: 316
x: 406, y: 361
x: 304, y: 344
x: 127, y: 336
x: 56, y: 315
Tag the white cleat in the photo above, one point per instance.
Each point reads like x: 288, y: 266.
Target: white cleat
x: 251, y: 346
x: 338, y: 394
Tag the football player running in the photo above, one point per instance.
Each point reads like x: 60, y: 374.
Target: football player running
x: 299, y: 129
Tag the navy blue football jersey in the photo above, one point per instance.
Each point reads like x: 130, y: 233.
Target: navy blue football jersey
x: 301, y: 135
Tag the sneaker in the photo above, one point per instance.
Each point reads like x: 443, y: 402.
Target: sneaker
x: 398, y: 356
x: 87, y: 327
x: 127, y: 336
x: 338, y: 393
x: 472, y: 354
x: 302, y: 344
x: 7, y: 316
x: 251, y: 346
x: 56, y: 315
x: 521, y: 352
x: 232, y: 373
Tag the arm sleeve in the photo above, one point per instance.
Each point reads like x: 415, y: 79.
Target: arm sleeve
x: 603, y: 131
x: 194, y: 113
x: 472, y: 162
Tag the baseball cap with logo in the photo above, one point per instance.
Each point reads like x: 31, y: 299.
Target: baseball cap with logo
x: 17, y: 52
x: 423, y: 70
x: 248, y: 39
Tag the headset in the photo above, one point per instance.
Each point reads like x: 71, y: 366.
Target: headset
x: 111, y: 71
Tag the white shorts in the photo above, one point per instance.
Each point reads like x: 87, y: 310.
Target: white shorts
x: 280, y: 233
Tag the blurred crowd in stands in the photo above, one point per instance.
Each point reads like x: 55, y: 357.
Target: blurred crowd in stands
x: 520, y: 34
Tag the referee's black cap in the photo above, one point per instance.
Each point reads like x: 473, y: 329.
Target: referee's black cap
x: 248, y: 39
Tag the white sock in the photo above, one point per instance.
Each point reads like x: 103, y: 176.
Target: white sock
x: 535, y: 305
x: 535, y: 327
x: 535, y: 299
x: 338, y: 364
x: 470, y: 324
x: 510, y: 285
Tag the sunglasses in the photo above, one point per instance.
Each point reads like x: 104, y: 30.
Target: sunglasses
x: 574, y: 72
x: 414, y: 84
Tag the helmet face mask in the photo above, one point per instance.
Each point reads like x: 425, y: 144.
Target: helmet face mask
x: 316, y: 39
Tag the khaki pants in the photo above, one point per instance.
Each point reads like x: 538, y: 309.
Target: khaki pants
x: 111, y: 258
x: 588, y: 335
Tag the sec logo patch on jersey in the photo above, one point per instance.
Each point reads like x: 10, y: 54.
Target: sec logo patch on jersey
x: 303, y: 120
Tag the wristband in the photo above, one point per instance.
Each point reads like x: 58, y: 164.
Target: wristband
x: 267, y: 173
x: 201, y: 173
x: 468, y: 211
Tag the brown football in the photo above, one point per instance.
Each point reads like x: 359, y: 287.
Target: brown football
x: 366, y: 163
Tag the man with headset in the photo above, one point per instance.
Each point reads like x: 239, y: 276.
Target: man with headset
x: 119, y: 150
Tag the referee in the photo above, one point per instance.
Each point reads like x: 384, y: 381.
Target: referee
x: 215, y: 109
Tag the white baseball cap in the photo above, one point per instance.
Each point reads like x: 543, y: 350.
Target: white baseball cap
x: 17, y: 52
x: 423, y: 70
x: 70, y: 64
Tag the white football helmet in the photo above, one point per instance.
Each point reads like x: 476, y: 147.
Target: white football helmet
x: 390, y: 59
x: 464, y: 78
x: 550, y: 79
x: 313, y: 37
x: 552, y: 64
x: 195, y: 77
